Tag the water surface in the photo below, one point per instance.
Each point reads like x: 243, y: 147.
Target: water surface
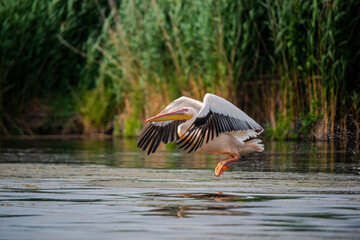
x: 108, y: 189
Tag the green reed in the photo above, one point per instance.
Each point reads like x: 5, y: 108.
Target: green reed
x: 37, y: 69
x: 289, y: 64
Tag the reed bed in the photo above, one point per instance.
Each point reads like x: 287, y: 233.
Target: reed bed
x: 292, y: 65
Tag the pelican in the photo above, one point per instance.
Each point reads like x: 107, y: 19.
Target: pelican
x: 213, y: 126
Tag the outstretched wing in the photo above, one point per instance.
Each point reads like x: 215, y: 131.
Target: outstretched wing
x: 156, y: 132
x: 216, y: 116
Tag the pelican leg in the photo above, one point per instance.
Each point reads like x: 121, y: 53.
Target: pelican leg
x: 222, y: 166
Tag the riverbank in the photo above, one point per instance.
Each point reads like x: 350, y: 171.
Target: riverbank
x: 105, y: 66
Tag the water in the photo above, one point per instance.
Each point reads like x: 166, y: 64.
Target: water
x: 108, y: 189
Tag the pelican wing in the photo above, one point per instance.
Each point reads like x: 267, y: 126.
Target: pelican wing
x: 216, y: 116
x: 156, y: 132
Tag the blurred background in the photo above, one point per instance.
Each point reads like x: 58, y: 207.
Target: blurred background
x: 103, y: 66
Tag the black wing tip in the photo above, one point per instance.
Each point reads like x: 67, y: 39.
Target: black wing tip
x: 259, y: 130
x: 152, y: 135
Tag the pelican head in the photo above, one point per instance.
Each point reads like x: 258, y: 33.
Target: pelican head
x: 181, y: 114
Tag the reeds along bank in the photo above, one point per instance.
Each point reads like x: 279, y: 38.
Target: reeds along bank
x: 290, y: 64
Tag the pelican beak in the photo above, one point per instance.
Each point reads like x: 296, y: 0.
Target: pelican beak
x: 177, y: 115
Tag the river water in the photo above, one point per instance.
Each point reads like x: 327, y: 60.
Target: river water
x: 73, y: 188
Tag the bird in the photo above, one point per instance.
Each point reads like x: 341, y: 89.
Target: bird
x: 214, y: 126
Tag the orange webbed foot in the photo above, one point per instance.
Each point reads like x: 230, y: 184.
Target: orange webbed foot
x: 220, y: 168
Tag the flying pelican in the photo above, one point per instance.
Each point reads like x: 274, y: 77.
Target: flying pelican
x: 214, y: 126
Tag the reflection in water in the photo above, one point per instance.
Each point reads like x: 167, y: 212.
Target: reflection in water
x: 181, y: 211
x: 208, y: 208
x: 187, y: 211
x: 219, y: 196
x: 278, y: 155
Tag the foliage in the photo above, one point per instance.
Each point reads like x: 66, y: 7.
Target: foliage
x: 289, y: 64
x: 34, y: 63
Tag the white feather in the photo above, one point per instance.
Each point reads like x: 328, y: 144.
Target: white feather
x: 176, y: 105
x: 220, y: 105
x: 161, y: 124
x: 244, y: 135
x: 182, y: 102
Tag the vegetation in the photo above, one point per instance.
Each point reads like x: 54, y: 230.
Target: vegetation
x: 292, y: 65
x: 39, y: 75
